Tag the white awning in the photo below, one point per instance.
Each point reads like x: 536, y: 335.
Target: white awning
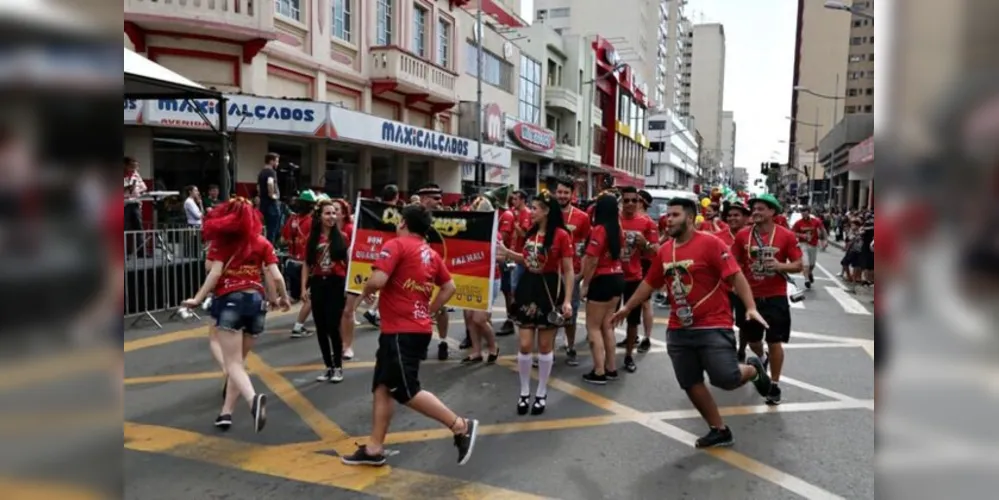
x: 144, y: 79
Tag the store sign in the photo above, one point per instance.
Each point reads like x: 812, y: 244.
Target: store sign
x: 133, y: 111
x: 494, y: 174
x: 531, y: 137
x: 356, y: 127
x: 248, y: 114
x: 492, y: 120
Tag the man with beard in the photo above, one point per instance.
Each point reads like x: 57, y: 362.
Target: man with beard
x: 767, y: 253
x: 737, y: 216
x: 578, y: 225
x: 696, y: 269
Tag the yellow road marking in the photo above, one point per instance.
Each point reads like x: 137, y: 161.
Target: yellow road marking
x: 22, y: 490
x: 305, y: 467
x: 759, y: 469
x: 323, y: 426
x: 49, y: 368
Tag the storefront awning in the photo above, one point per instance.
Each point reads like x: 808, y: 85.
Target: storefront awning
x: 144, y: 79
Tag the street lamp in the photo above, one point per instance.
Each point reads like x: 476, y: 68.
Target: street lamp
x: 589, y: 123
x: 853, y: 9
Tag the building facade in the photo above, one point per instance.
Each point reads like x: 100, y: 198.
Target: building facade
x: 674, y: 58
x: 728, y: 142
x: 707, y: 87
x: 673, y: 155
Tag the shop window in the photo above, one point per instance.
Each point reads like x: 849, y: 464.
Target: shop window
x: 341, y: 167
x: 417, y: 174
x: 383, y: 171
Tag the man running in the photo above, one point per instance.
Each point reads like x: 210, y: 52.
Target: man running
x: 640, y: 235
x: 405, y: 275
x: 696, y: 268
x: 810, y: 231
x: 767, y: 253
x: 578, y: 225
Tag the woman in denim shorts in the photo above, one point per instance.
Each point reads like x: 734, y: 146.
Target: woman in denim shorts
x: 240, y: 257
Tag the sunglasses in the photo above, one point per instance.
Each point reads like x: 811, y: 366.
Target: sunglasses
x: 630, y: 201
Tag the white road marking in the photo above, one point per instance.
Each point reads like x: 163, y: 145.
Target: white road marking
x: 847, y: 301
x: 830, y: 276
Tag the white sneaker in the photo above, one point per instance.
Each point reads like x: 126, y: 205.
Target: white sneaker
x: 326, y: 376
x: 348, y: 354
x: 337, y: 376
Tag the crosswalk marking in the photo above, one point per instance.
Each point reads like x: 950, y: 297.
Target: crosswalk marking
x: 847, y: 302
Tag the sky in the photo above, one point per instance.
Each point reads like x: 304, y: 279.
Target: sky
x: 759, y: 67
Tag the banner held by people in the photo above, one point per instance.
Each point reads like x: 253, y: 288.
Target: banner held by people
x: 465, y: 240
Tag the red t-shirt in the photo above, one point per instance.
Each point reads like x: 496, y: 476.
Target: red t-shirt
x: 663, y: 226
x: 245, y: 270
x: 578, y: 224
x: 810, y: 229
x: 542, y: 260
x: 506, y: 222
x: 349, y: 229
x: 719, y: 229
x: 326, y: 265
x: 781, y: 220
x: 631, y: 257
x: 296, y: 233
x: 522, y: 220
x: 598, y: 248
x: 413, y: 269
x: 701, y: 265
x: 781, y: 244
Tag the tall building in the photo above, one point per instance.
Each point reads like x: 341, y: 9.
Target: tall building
x: 669, y: 90
x: 673, y: 154
x: 728, y: 142
x: 860, y: 65
x: 707, y: 88
x: 686, y: 34
x: 633, y: 27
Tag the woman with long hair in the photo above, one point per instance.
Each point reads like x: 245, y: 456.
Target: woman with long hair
x: 324, y: 278
x: 479, y: 323
x: 603, y: 286
x: 543, y: 300
x: 240, y: 257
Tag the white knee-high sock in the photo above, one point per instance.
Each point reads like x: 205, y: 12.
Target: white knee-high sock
x: 524, y: 366
x: 545, y: 364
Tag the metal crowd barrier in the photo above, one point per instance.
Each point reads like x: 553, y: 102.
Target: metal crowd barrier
x: 162, y: 268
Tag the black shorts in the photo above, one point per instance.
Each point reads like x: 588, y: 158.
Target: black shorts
x: 865, y: 260
x: 777, y: 312
x: 694, y: 352
x: 738, y: 310
x: 635, y: 317
x: 606, y: 288
x: 397, y: 364
x: 537, y: 295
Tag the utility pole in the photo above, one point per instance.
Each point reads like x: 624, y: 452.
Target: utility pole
x: 480, y: 168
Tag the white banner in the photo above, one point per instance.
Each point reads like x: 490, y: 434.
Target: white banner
x: 245, y: 113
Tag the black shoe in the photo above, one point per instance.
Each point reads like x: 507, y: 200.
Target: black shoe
x: 808, y: 285
x: 493, y: 358
x: 326, y: 376
x: 571, y: 357
x: 224, y: 422
x: 645, y: 346
x: 466, y: 442
x: 538, y: 408
x: 442, y: 351
x: 362, y: 457
x: 371, y: 318
x: 301, y: 334
x: 629, y: 365
x: 593, y: 378
x: 762, y: 381
x: 259, y: 410
x: 774, y: 396
x: 524, y: 405
x: 717, y: 438
x: 507, y: 329
x: 611, y: 376
x: 467, y: 343
x: 471, y: 361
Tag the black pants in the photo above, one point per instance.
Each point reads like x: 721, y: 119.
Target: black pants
x: 133, y: 222
x: 328, y: 300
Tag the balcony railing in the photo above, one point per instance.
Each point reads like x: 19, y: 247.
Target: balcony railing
x: 255, y: 15
x: 414, y: 75
x: 562, y: 98
x: 567, y: 151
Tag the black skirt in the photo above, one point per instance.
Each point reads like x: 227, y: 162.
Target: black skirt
x: 533, y: 302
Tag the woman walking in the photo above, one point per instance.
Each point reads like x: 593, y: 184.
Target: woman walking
x: 325, y: 277
x: 603, y: 286
x: 543, y: 300
x: 479, y: 323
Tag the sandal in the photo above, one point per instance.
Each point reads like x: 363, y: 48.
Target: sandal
x: 493, y: 358
x: 524, y: 405
x: 471, y: 361
x: 539, y: 406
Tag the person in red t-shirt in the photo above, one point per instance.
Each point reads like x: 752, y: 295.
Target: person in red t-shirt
x: 640, y: 235
x: 346, y: 223
x: 405, y: 274
x: 295, y: 235
x: 523, y: 221
x: 578, y: 225
x: 767, y: 253
x: 737, y: 216
x: 810, y: 232
x: 603, y: 286
x: 544, y: 301
x: 714, y: 225
x: 506, y: 234
x: 648, y: 317
x: 240, y: 255
x: 696, y: 269
x: 323, y: 281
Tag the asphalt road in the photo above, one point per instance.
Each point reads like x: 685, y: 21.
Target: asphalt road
x: 632, y: 439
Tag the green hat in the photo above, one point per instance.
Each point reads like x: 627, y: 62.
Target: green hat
x: 322, y: 197
x: 307, y: 196
x: 769, y: 199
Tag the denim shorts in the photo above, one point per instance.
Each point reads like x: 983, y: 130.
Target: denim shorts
x: 242, y: 311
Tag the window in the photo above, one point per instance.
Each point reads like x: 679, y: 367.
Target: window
x: 870, y: 74
x: 420, y: 31
x: 857, y: 40
x: 542, y: 14
x: 657, y: 125
x: 444, y: 43
x: 851, y: 109
x: 858, y: 23
x: 870, y: 91
x: 383, y: 23
x: 852, y: 92
x: 495, y: 71
x: 856, y: 75
x: 552, y: 73
x: 556, y: 13
x: 530, y: 90
x: 856, y: 58
x: 870, y: 57
x: 290, y: 9
x: 868, y: 109
x: 341, y: 19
